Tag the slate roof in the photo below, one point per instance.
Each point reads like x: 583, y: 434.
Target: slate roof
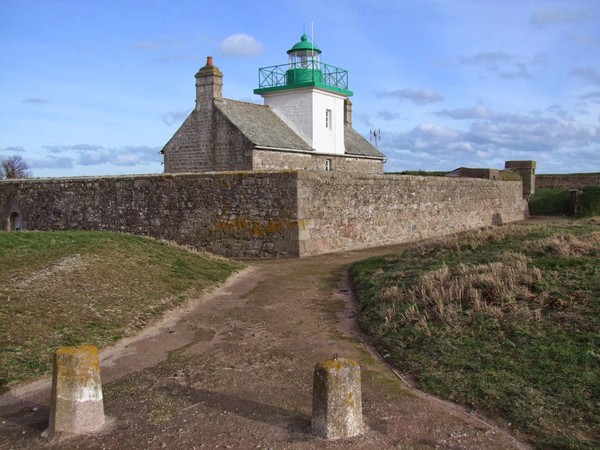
x: 264, y: 128
x: 357, y: 145
x: 261, y: 125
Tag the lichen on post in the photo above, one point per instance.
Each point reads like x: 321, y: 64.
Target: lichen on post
x: 76, y: 404
x: 337, y: 401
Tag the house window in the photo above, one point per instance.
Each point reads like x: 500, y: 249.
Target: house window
x: 328, y: 121
x: 328, y: 165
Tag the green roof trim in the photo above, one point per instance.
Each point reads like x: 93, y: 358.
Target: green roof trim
x: 306, y: 84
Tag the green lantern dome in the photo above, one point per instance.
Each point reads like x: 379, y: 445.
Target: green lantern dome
x: 303, y: 70
x: 304, y: 45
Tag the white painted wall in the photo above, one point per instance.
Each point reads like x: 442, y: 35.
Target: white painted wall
x: 304, y: 111
x: 328, y: 140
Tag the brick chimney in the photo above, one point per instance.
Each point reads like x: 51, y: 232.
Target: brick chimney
x: 347, y: 112
x: 209, y: 85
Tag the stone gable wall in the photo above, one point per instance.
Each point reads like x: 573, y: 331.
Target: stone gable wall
x: 254, y: 214
x: 207, y: 142
x: 567, y: 181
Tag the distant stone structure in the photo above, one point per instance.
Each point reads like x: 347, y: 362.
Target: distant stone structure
x: 305, y: 123
x: 468, y: 172
x: 527, y: 171
x: 567, y: 181
x: 522, y: 170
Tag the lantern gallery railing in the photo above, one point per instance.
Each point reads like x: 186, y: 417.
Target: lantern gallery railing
x: 307, y: 71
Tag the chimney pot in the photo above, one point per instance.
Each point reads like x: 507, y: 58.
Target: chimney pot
x: 209, y: 61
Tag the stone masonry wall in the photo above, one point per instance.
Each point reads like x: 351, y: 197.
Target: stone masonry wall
x: 253, y: 214
x: 278, y: 160
x: 207, y: 141
x: 232, y: 214
x: 567, y: 181
x: 344, y: 212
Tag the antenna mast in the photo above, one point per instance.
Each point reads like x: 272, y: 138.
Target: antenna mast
x: 375, y: 136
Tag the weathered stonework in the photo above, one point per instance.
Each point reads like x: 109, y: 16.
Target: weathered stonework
x: 76, y: 404
x: 349, y: 211
x: 567, y: 181
x: 337, y: 399
x: 269, y: 160
x: 254, y: 214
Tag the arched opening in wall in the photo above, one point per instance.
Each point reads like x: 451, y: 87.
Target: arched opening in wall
x: 14, y: 222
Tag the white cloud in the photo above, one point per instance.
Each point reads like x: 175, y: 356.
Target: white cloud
x: 417, y: 96
x: 94, y: 155
x: 486, y: 58
x: 588, y: 74
x: 476, y: 112
x: 388, y: 115
x: 496, y: 137
x: 549, y: 17
x: 52, y: 162
x: 592, y: 97
x: 12, y: 149
x: 504, y: 65
x: 174, y: 117
x: 36, y: 100
x: 240, y: 45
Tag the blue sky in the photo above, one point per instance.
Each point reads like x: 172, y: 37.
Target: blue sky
x: 98, y: 87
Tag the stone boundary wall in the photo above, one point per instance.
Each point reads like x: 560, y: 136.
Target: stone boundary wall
x: 567, y: 181
x: 344, y: 212
x: 258, y: 214
x: 228, y: 213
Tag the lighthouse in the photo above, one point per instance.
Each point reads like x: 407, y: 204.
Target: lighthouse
x: 311, y: 97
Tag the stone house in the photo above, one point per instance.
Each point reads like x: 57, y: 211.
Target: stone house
x: 304, y: 124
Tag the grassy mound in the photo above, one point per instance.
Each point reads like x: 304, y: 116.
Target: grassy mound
x: 504, y: 320
x: 70, y: 288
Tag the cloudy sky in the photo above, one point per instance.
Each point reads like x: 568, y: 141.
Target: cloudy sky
x: 98, y: 87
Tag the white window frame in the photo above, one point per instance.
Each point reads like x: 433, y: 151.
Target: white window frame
x: 328, y: 165
x: 329, y: 119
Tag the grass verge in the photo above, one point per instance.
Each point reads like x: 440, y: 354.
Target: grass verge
x: 505, y: 320
x: 549, y: 202
x: 589, y: 202
x: 70, y: 288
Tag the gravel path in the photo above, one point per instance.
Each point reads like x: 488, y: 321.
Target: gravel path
x: 234, y: 370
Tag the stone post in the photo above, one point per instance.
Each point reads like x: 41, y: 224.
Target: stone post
x: 76, y: 403
x: 337, y: 402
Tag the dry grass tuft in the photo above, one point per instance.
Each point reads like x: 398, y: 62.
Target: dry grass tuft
x: 448, y: 295
x: 566, y: 244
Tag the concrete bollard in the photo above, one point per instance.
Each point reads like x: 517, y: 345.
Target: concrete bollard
x: 76, y: 403
x: 337, y: 401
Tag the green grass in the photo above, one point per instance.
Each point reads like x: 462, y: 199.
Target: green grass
x: 555, y: 202
x: 549, y: 202
x: 504, y: 320
x: 589, y: 202
x: 70, y: 288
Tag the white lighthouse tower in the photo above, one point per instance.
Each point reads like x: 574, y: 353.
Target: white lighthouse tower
x: 309, y: 96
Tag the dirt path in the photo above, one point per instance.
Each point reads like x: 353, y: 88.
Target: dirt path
x: 234, y: 370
